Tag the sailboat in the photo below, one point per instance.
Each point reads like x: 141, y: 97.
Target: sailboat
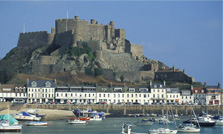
x: 9, y: 124
x: 163, y: 130
x: 191, y: 128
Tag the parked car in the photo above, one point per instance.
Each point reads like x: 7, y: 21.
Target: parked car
x: 136, y: 103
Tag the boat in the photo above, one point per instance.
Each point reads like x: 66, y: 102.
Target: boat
x: 126, y: 129
x: 9, y: 124
x: 36, y: 123
x: 95, y: 118
x: 190, y: 128
x: 163, y: 131
x: 24, y: 116
x: 193, y: 120
x: 81, y: 118
x: 206, y: 122
x: 88, y: 113
x: 219, y: 123
x: 5, y: 126
x: 35, y: 112
x: 144, y: 122
x: 77, y: 121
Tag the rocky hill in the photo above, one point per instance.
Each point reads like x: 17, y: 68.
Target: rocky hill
x: 78, y: 55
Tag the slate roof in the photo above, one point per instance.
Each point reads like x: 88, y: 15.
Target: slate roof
x: 41, y: 83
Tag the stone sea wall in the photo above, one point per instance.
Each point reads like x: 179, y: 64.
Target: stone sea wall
x: 121, y: 110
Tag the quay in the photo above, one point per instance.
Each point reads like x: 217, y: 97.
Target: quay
x: 124, y: 110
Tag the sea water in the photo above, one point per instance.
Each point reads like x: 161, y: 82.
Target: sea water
x: 107, y: 126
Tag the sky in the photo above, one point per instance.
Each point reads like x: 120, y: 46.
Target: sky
x: 186, y: 34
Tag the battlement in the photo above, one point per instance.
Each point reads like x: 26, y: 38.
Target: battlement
x: 36, y: 32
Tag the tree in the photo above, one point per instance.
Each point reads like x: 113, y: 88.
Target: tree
x: 122, y: 78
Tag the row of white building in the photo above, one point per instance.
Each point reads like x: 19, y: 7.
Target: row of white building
x: 42, y: 91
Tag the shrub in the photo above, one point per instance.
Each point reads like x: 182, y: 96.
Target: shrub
x: 122, y: 78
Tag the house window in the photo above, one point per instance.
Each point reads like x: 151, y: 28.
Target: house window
x: 33, y: 84
x: 144, y: 95
x: 99, y: 95
x: 48, y: 84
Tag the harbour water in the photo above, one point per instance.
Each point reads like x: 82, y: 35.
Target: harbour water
x: 107, y: 126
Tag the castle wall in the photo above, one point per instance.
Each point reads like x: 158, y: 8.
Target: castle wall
x: 50, y: 38
x: 146, y: 75
x: 173, y: 76
x: 47, y: 60
x: 136, y: 51
x: 132, y: 76
x: 64, y: 39
x: 82, y: 30
x: 33, y: 39
x: 125, y: 61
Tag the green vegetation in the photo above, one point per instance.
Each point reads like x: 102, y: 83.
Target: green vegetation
x: 122, y: 78
x: 93, y: 72
x: 97, y: 72
x: 10, y: 54
x: 78, y: 51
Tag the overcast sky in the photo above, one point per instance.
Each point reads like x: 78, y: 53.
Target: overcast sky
x: 185, y: 34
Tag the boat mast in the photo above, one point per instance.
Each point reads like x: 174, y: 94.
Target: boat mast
x: 196, y: 118
x: 8, y: 114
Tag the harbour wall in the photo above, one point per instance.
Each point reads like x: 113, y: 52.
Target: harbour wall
x: 123, y: 110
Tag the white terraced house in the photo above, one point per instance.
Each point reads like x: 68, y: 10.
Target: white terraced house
x: 158, y: 93
x: 76, y: 94
x: 41, y: 91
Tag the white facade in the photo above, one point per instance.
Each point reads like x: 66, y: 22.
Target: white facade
x: 40, y: 91
x: 119, y: 97
x: 158, y: 94
x: 76, y: 97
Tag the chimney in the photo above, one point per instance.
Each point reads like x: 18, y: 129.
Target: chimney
x: 184, y: 71
x: 97, y: 22
x: 173, y: 68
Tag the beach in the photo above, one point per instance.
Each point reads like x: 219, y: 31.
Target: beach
x: 50, y: 114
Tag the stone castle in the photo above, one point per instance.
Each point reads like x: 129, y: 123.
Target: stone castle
x: 113, y: 51
x: 72, y: 32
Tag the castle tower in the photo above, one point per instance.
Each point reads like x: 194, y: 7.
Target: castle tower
x: 92, y: 21
x: 76, y: 17
x: 53, y: 30
x: 112, y: 29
